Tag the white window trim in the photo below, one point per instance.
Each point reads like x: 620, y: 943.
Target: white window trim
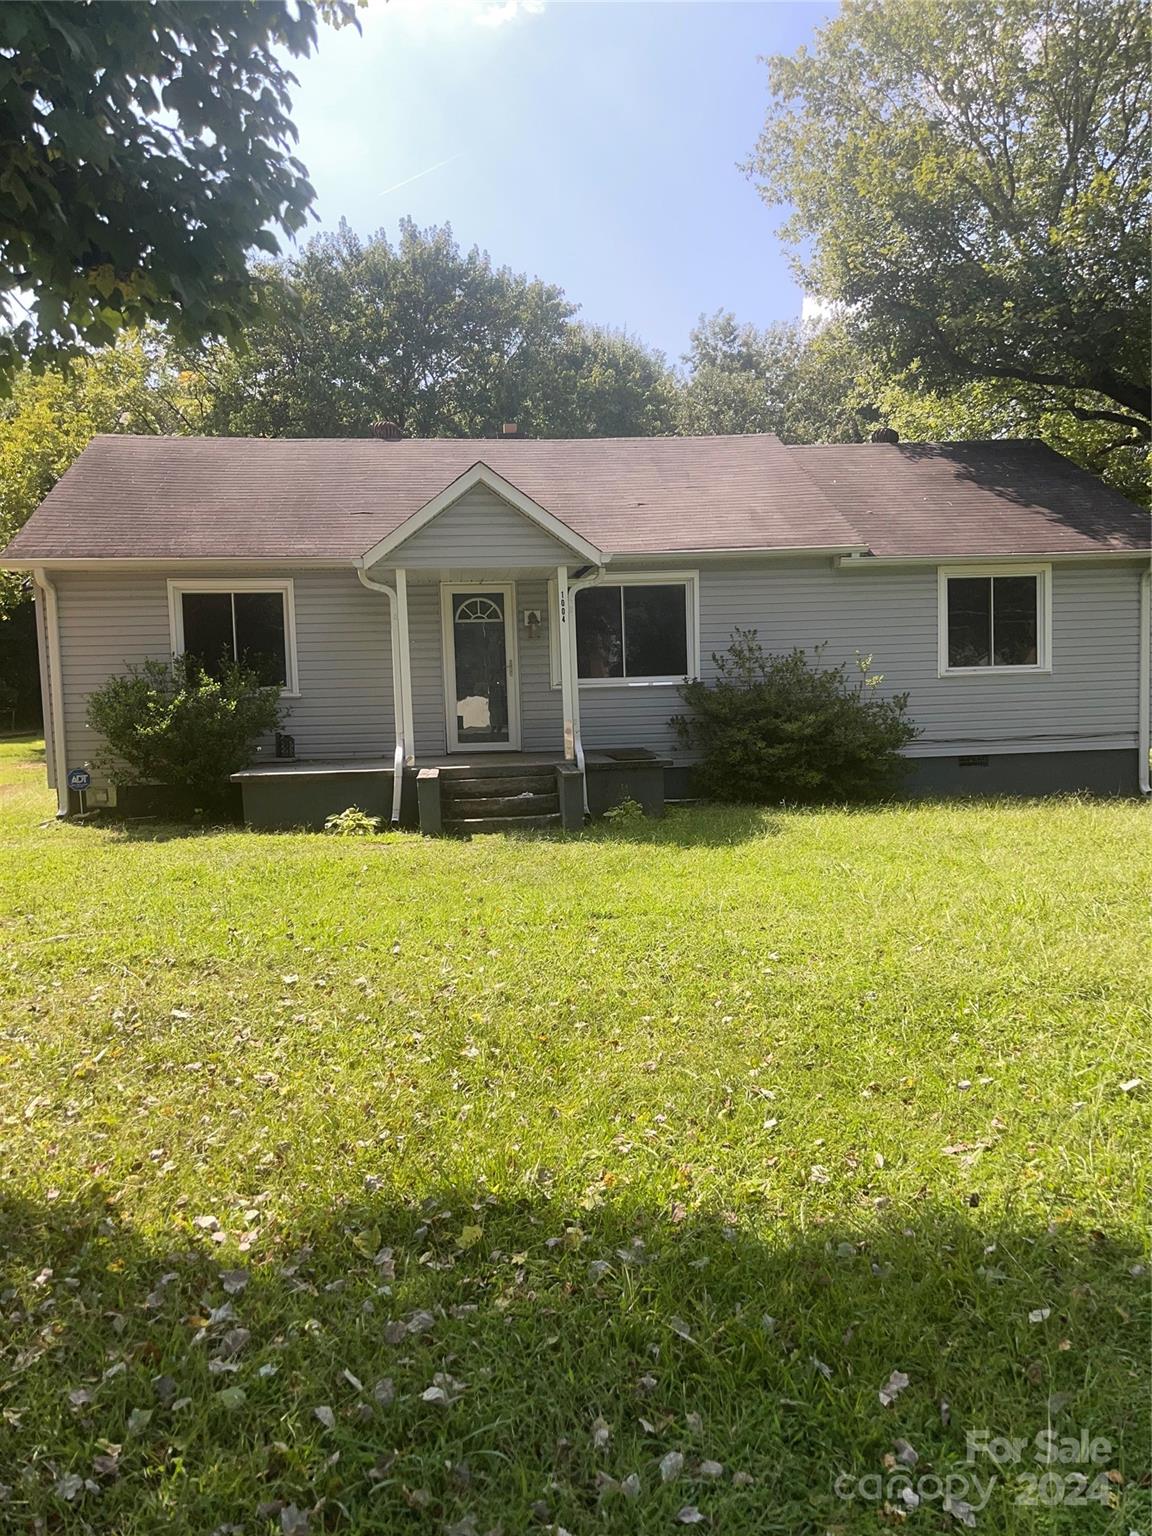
x: 690, y: 580
x: 282, y: 584
x: 1043, y: 662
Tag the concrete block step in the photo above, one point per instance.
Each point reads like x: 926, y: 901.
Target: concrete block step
x: 526, y: 804
x: 495, y: 770
x: 474, y: 824
x: 477, y: 787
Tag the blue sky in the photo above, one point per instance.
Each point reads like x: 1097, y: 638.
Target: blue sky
x: 593, y: 143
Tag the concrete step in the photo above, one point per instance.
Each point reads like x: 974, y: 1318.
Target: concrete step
x: 476, y: 770
x: 525, y: 804
x: 473, y: 824
x: 477, y: 787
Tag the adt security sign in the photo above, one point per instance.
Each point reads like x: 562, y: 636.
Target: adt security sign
x: 79, y: 779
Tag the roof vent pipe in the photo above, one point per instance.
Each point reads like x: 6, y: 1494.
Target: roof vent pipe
x: 885, y: 435
x: 388, y: 431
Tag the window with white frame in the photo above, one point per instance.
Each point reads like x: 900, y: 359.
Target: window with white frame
x: 994, y: 619
x: 636, y: 629
x: 251, y: 622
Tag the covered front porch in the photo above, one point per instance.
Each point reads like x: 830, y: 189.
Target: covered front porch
x: 479, y: 586
x: 454, y: 793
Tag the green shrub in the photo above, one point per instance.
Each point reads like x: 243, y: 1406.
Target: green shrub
x: 778, y: 728
x: 352, y: 822
x: 170, y: 722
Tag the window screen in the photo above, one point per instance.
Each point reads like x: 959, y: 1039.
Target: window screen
x: 993, y: 621
x: 632, y: 631
x: 222, y: 627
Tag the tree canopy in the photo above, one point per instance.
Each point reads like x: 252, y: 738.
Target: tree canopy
x: 50, y: 418
x: 434, y: 338
x: 971, y: 179
x: 805, y: 383
x: 145, y: 151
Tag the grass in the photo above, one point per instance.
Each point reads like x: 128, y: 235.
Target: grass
x: 401, y: 1186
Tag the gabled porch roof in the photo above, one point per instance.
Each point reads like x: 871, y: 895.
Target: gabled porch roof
x: 390, y: 549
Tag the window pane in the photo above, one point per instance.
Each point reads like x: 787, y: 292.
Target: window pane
x: 208, y: 628
x: 655, y: 631
x: 969, y: 621
x: 1015, y: 625
x: 599, y: 637
x: 260, y: 635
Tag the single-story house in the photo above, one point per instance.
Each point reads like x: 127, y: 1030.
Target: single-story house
x: 467, y: 631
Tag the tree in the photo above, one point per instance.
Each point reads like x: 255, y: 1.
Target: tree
x: 602, y: 383
x: 50, y: 417
x: 971, y: 179
x: 433, y: 338
x: 807, y: 384
x: 816, y: 384
x: 144, y: 153
x: 995, y: 408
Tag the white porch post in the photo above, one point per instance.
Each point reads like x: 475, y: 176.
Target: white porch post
x: 405, y: 658
x: 567, y: 680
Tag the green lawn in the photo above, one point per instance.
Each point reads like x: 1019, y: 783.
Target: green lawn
x: 410, y: 1186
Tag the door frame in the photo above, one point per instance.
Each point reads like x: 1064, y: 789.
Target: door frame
x: 448, y: 652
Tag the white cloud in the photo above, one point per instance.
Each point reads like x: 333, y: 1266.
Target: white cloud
x: 422, y: 19
x: 498, y: 13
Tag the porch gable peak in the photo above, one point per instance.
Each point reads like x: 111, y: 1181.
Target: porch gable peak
x: 482, y: 475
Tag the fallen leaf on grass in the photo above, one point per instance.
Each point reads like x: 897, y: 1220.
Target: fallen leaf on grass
x: 325, y: 1415
x: 444, y: 1389
x: 1040, y: 1315
x: 892, y: 1388
x: 293, y: 1521
x: 689, y: 1515
x: 961, y: 1512
x: 601, y: 1434
x: 671, y: 1466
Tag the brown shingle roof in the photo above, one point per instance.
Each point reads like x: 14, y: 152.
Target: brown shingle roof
x: 977, y: 498
x: 264, y: 499
x: 332, y: 499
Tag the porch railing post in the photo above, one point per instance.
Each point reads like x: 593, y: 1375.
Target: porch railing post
x: 567, y: 689
x: 405, y: 660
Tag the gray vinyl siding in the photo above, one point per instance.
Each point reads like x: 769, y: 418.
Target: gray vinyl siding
x: 1088, y: 699
x: 108, y: 620
x: 480, y: 529
x: 541, y: 712
x: 345, y: 671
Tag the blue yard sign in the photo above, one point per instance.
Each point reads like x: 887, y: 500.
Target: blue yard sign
x: 79, y: 779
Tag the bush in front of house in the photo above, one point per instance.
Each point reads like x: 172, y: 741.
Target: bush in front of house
x: 783, y: 728
x: 173, y: 723
x: 352, y: 822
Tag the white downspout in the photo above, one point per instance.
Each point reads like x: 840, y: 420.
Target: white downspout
x: 577, y: 738
x: 398, y: 703
x: 55, y: 700
x: 1144, y: 717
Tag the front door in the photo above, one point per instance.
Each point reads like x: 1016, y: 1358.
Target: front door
x: 482, y: 690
